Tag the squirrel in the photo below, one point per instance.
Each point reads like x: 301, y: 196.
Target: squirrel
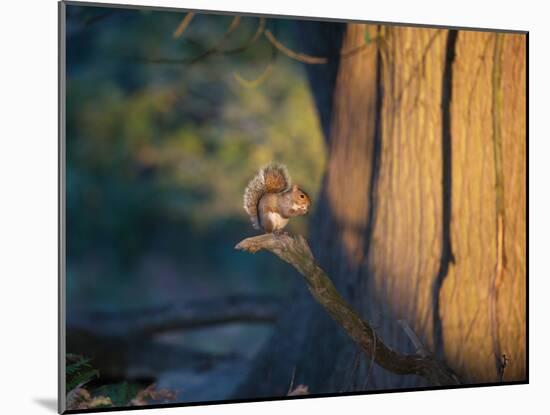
x: 270, y: 199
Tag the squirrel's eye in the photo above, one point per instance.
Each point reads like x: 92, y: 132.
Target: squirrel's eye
x: 302, y: 196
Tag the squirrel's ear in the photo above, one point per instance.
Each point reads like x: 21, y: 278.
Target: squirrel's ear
x: 294, y: 187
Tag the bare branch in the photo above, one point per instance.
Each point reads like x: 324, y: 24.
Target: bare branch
x: 371, y: 365
x: 254, y: 83
x: 301, y: 57
x: 189, y: 61
x: 251, y: 41
x: 218, y: 48
x: 296, y: 251
x: 183, y: 25
x: 235, y: 23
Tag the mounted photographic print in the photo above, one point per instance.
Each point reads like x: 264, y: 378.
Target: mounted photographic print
x: 259, y: 207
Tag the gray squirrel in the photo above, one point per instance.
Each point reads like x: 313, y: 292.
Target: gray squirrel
x: 270, y: 199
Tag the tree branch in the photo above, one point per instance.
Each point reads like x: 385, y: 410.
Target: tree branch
x: 197, y: 314
x: 183, y: 25
x: 300, y: 57
x: 296, y: 251
x: 254, y: 83
x: 251, y: 41
x: 235, y: 23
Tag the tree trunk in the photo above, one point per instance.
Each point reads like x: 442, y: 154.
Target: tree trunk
x: 422, y: 213
x: 489, y: 209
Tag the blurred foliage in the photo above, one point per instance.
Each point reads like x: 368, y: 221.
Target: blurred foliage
x: 151, y: 143
x: 157, y: 158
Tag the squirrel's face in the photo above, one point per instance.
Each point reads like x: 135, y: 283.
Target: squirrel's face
x: 300, y: 201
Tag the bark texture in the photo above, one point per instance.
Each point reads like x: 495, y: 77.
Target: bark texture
x: 296, y: 251
x: 489, y: 212
x: 422, y: 213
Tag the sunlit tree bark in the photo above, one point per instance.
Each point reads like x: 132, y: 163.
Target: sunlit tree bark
x: 422, y: 213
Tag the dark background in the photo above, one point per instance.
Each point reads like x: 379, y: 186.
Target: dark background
x: 158, y: 155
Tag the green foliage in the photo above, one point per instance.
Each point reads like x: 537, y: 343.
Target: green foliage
x: 79, y: 371
x: 171, y: 144
x: 158, y: 155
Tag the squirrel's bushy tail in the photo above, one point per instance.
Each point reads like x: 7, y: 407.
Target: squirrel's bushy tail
x: 273, y: 178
